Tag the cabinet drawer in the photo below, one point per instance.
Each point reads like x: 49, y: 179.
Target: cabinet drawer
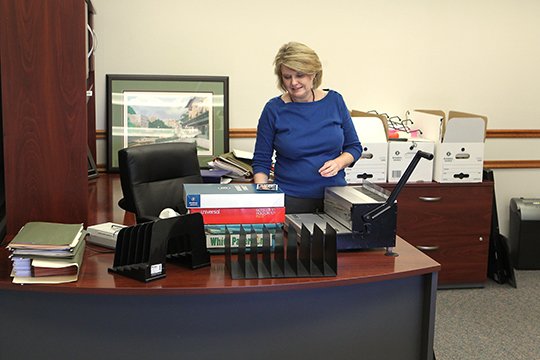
x: 436, y: 210
x: 463, y: 258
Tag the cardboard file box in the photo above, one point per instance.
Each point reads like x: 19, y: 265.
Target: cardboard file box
x: 459, y: 144
x: 400, y: 154
x: 372, y: 165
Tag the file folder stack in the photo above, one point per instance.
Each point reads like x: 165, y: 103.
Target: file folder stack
x: 47, y: 253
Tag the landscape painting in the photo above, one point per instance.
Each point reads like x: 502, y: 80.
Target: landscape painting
x: 156, y: 117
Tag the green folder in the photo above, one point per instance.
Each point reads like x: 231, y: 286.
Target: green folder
x: 47, y: 236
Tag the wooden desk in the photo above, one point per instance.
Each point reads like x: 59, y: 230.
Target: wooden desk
x: 378, y: 307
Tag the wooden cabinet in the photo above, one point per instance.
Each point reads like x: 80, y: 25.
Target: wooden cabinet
x: 451, y: 223
x: 43, y: 63
x: 2, y: 171
x: 90, y: 79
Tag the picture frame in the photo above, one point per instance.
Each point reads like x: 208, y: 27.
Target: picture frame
x: 147, y: 109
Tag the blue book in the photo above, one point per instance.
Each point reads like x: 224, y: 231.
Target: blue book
x: 231, y: 196
x: 213, y: 176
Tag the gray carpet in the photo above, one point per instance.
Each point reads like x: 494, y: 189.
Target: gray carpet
x: 497, y: 322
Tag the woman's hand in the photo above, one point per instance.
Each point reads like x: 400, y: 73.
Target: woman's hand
x: 260, y: 178
x: 332, y: 167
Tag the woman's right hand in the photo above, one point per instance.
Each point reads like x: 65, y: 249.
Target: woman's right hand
x: 260, y: 178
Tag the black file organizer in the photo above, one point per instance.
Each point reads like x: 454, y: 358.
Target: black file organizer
x: 142, y: 249
x: 312, y: 256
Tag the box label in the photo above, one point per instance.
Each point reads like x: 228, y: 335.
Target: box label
x: 193, y: 200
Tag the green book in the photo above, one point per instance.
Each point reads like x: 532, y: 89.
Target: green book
x: 47, y: 236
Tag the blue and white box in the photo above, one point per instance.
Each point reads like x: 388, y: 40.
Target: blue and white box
x: 231, y: 196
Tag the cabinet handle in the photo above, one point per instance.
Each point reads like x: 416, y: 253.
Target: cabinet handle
x: 430, y: 198
x: 93, y: 36
x: 427, y: 247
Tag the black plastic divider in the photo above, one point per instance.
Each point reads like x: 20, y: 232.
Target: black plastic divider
x: 186, y: 241
x: 227, y: 244
x: 266, y: 254
x: 278, y: 265
x: 317, y: 251
x: 330, y: 251
x: 291, y: 261
x: 252, y: 270
x: 304, y: 253
x: 143, y: 249
x: 316, y: 256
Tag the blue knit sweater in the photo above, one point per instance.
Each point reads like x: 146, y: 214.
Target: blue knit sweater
x: 304, y: 136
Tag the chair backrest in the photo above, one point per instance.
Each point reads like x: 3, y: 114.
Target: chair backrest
x: 151, y: 176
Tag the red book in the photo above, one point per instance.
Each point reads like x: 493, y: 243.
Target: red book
x: 256, y: 215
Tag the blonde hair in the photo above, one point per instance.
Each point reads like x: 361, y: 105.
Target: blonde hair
x: 301, y: 58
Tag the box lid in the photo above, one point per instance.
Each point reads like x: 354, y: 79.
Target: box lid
x: 370, y: 127
x: 465, y: 128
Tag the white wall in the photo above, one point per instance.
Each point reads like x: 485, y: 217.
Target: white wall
x: 477, y: 56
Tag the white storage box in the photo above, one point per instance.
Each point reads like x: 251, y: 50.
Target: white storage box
x: 459, y: 144
x: 400, y: 154
x: 372, y: 165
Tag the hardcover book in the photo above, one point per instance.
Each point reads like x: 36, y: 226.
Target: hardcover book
x: 253, y: 215
x: 215, y: 234
x: 217, y: 241
x: 231, y: 196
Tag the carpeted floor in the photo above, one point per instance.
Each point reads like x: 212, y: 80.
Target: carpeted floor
x: 497, y: 322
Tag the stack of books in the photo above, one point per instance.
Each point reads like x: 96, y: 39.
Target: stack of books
x: 229, y: 206
x: 47, y: 253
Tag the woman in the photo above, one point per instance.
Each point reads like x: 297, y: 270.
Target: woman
x: 309, y: 129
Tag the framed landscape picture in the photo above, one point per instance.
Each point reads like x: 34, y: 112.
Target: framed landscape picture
x: 150, y: 109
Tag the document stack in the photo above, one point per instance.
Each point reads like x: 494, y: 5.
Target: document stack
x: 239, y: 170
x: 47, y: 253
x: 229, y: 206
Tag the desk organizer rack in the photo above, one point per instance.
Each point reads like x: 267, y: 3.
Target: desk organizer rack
x: 304, y: 256
x: 142, y: 249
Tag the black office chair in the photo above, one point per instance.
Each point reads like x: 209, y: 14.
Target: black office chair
x: 151, y: 177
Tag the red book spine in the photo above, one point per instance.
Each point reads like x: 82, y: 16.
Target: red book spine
x: 219, y: 216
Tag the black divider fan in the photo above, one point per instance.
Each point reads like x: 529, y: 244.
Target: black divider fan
x: 303, y: 255
x: 143, y: 249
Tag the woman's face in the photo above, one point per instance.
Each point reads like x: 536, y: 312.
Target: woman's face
x: 297, y: 84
